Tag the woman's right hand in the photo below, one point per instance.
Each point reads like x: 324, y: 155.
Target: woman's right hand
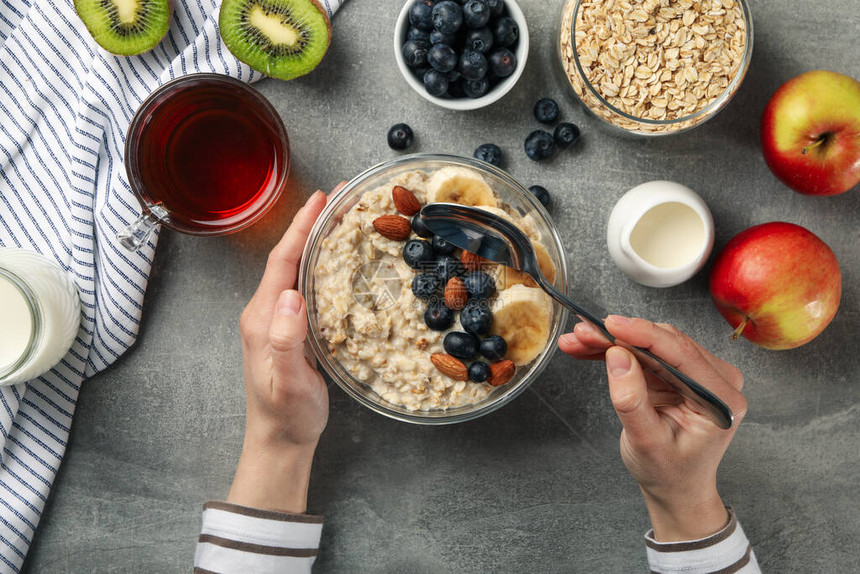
x: 670, y: 447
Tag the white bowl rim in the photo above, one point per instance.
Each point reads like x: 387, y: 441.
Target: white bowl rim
x: 464, y: 104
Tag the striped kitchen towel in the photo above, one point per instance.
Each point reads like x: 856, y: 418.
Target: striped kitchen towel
x: 65, y: 106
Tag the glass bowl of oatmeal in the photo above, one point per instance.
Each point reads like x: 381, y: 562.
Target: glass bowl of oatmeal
x: 654, y: 67
x: 368, y: 328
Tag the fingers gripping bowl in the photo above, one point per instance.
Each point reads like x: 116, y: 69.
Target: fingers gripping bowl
x: 369, y: 330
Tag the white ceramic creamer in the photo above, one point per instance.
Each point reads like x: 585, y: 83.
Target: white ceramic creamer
x: 40, y: 313
x: 660, y: 233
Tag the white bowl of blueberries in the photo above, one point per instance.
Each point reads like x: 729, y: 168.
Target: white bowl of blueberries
x: 461, y: 54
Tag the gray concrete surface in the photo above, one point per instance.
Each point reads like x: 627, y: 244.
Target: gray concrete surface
x: 537, y: 486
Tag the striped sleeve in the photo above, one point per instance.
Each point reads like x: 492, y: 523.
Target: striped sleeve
x: 726, y: 552
x: 240, y: 539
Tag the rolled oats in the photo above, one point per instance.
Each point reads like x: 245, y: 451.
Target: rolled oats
x: 653, y: 59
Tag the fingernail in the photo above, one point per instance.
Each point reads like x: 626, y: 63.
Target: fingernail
x: 584, y: 327
x: 617, y: 362
x: 619, y: 319
x: 289, y: 303
x: 566, y: 338
x: 314, y: 196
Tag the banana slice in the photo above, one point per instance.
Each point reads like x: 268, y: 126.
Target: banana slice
x: 508, y: 277
x: 545, y: 261
x: 522, y: 317
x: 460, y: 185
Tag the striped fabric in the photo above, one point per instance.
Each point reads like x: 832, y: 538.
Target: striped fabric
x: 65, y: 105
x: 726, y: 552
x: 236, y: 539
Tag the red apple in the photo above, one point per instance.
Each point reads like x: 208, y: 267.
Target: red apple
x: 778, y: 284
x: 810, y: 133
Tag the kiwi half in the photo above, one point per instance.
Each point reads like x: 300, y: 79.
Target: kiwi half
x: 125, y: 27
x: 283, y: 39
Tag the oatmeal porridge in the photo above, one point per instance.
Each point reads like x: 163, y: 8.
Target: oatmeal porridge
x: 376, y: 327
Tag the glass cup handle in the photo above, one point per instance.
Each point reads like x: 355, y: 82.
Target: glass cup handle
x: 136, y: 234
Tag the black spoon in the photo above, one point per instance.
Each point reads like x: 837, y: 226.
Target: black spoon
x: 494, y: 238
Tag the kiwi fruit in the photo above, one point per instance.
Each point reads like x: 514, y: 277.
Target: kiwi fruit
x: 283, y: 39
x: 125, y: 27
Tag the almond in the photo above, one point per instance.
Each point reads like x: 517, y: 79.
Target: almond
x: 405, y: 201
x: 455, y: 294
x: 501, y: 372
x: 472, y: 262
x: 392, y: 227
x: 450, y: 366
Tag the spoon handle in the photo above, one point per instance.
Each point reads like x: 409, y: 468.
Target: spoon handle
x: 714, y: 407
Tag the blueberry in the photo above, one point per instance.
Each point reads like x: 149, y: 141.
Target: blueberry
x: 415, y: 52
x: 455, y: 88
x: 461, y: 345
x: 566, y: 135
x: 400, y: 137
x: 475, y: 14
x: 506, y: 32
x: 436, y: 82
x: 425, y: 286
x: 419, y: 228
x: 546, y: 111
x: 479, y: 285
x: 418, y: 34
x: 447, y: 17
x: 446, y: 267
x: 454, y: 75
x: 437, y: 37
x: 539, y: 145
x: 421, y: 14
x: 497, y: 7
x: 442, y: 57
x: 476, y: 317
x: 480, y: 40
x: 417, y: 252
x: 442, y: 247
x: 541, y: 194
x: 419, y: 72
x: 437, y: 316
x: 494, y: 348
x: 503, y: 62
x: 476, y: 88
x: 479, y: 371
x: 473, y: 65
x: 490, y: 153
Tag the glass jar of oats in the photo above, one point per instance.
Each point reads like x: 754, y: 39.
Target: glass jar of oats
x: 655, y: 67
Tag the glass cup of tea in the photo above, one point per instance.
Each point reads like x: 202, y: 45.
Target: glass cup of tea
x: 205, y: 155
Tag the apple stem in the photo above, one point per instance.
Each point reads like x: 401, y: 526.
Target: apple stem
x: 821, y: 139
x: 740, y: 329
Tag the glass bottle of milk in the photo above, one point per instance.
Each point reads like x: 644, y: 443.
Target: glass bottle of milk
x: 40, y: 313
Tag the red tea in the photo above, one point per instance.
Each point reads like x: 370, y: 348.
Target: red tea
x: 210, y: 153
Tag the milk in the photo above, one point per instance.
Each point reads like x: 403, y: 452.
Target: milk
x: 669, y: 235
x: 16, y: 323
x: 660, y: 233
x: 40, y: 313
